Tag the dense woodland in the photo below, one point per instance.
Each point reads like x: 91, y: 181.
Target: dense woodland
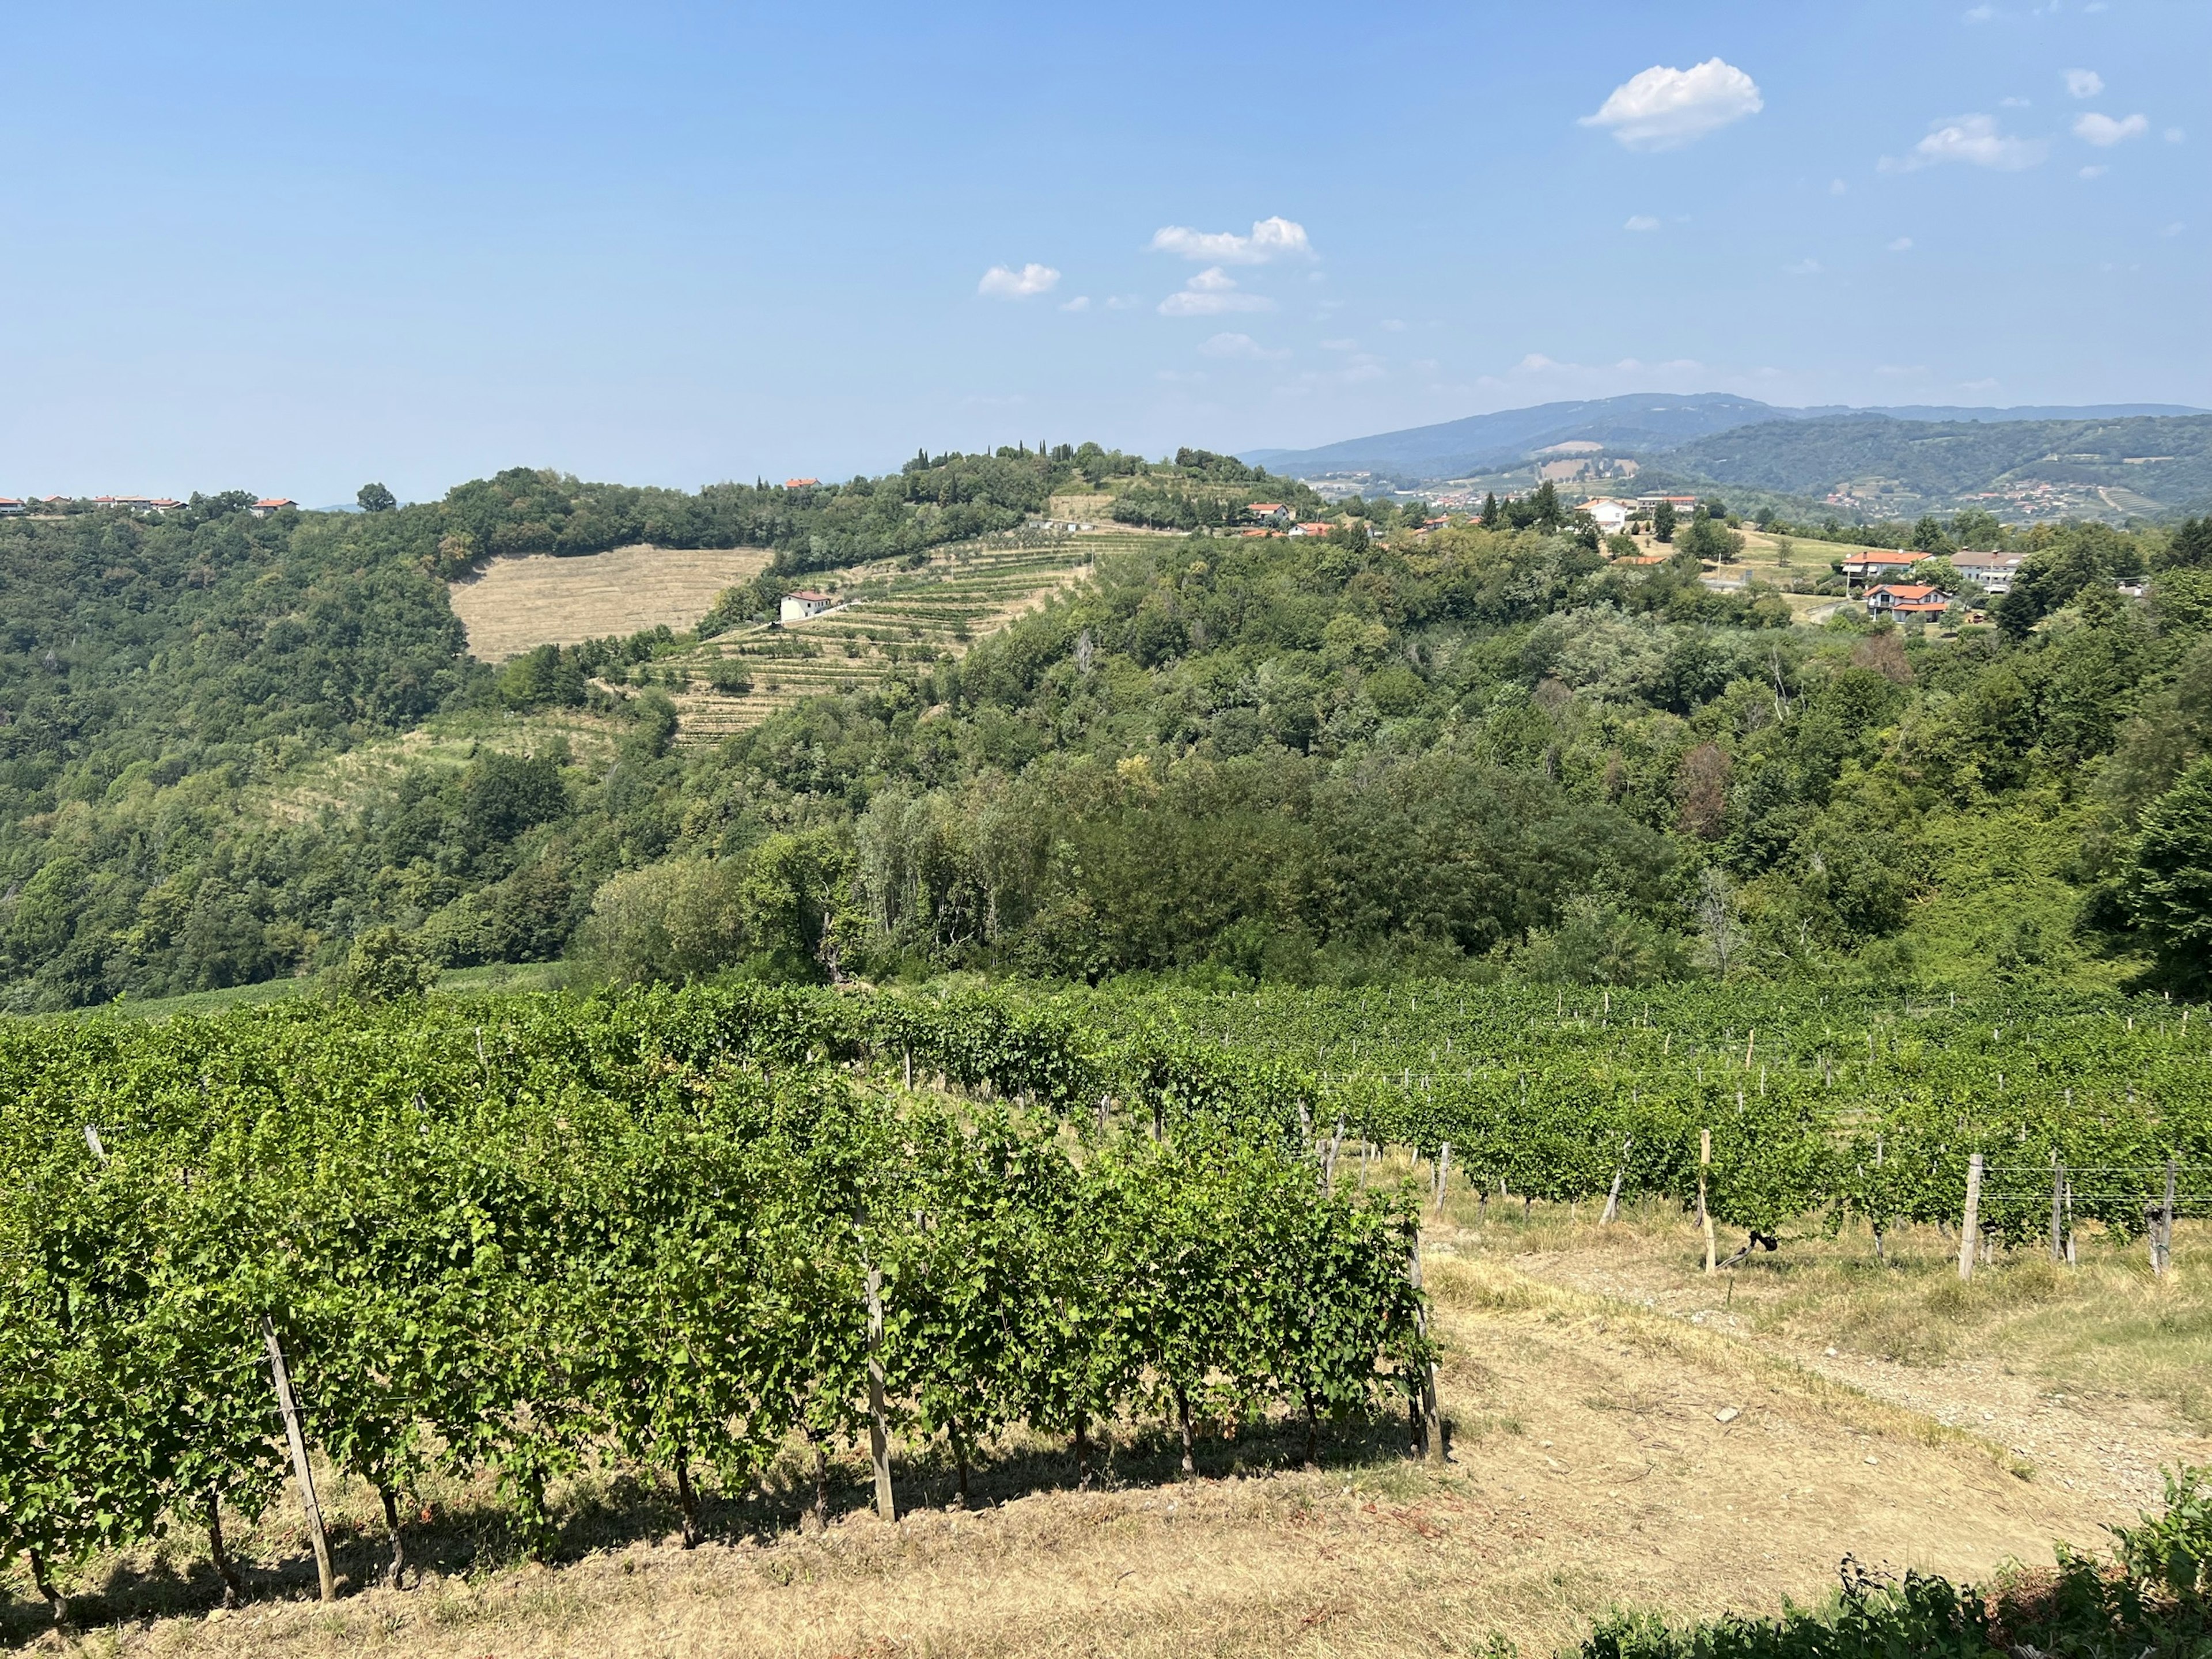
x: 1478, y: 751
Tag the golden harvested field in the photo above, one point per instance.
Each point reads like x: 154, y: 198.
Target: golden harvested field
x: 517, y: 604
x: 1624, y: 1431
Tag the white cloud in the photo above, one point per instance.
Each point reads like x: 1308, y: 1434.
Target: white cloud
x: 2095, y: 173
x: 1803, y: 268
x: 1239, y: 345
x: 2014, y: 103
x: 1980, y: 13
x: 1003, y: 283
x: 1902, y: 244
x: 1271, y: 239
x: 1123, y: 301
x: 1393, y: 324
x: 1210, y: 293
x: 1901, y: 371
x: 1973, y: 139
x: 1641, y: 222
x: 1977, y: 385
x: 1664, y: 108
x: 1838, y: 188
x: 1080, y: 302
x: 2083, y: 83
x: 1338, y: 345
x: 2103, y: 131
x: 2174, y: 135
x: 2174, y: 229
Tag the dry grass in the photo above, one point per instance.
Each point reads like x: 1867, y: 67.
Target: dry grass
x: 1587, y: 1373
x: 517, y: 604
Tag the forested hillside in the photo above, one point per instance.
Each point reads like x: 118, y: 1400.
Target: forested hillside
x: 1332, y: 758
x: 1477, y: 751
x: 2152, y: 464
x: 156, y: 669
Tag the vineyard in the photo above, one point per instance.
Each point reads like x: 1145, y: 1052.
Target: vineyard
x: 684, y: 1231
x: 887, y: 613
x: 1820, y: 1109
x: 675, y: 1229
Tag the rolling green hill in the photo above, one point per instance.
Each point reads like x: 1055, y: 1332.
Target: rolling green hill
x: 233, y: 747
x: 2149, y: 466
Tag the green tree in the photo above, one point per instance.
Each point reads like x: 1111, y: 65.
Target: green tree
x: 375, y: 498
x: 1662, y: 521
x: 386, y: 964
x: 2170, y: 883
x: 1709, y: 538
x: 1927, y: 537
x: 2191, y: 546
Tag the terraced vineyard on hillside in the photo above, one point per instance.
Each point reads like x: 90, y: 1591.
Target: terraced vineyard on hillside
x: 888, y: 613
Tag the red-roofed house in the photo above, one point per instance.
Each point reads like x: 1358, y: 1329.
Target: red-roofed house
x: 269, y: 504
x: 1907, y: 599
x: 1269, y: 512
x: 1876, y: 564
x: 1311, y: 529
x: 9, y: 506
x: 800, y: 483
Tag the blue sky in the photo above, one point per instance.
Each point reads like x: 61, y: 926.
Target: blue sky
x: 293, y: 248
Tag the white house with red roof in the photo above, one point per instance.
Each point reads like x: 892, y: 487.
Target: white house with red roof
x: 1907, y: 599
x: 1880, y: 563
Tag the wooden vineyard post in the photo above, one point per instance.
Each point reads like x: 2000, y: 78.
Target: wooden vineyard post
x: 2162, y: 1256
x: 1970, y: 1224
x: 1613, y: 1198
x: 879, y: 1439
x: 1428, y: 1424
x: 290, y: 1407
x: 2057, y: 1209
x: 1443, y: 1175
x: 1879, y: 1254
x: 1704, y: 1215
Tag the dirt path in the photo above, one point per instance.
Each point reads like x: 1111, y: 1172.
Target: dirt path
x: 2102, y: 1445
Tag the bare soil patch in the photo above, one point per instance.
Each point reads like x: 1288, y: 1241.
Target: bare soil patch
x: 518, y: 604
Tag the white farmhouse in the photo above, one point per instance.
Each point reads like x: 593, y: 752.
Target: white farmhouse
x: 1608, y: 516
x: 797, y: 607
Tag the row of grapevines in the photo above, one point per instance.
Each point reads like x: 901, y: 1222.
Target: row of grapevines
x: 514, y: 1235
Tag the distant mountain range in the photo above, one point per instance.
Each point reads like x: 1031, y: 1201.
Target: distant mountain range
x: 2107, y: 460
x: 1635, y: 424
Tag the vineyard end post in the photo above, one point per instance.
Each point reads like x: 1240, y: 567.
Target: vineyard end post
x: 1969, y: 1224
x: 2057, y: 1209
x: 1429, y: 1441
x: 1705, y: 1215
x: 290, y: 1407
x: 879, y: 1439
x: 2165, y: 1223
